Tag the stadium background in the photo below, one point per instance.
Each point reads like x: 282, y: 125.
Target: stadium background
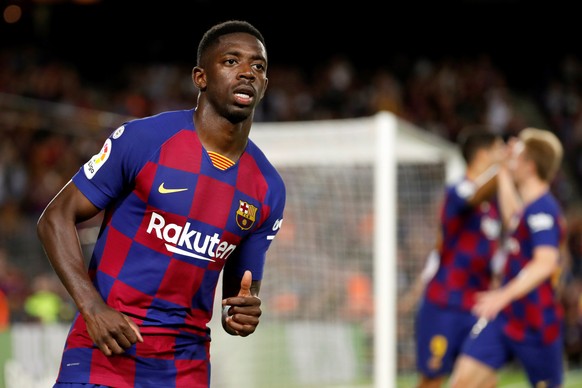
x: 438, y: 66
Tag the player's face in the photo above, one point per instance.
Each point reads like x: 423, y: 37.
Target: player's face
x: 236, y: 75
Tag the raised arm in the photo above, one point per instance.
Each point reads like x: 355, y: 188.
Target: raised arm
x: 510, y: 201
x: 485, y: 186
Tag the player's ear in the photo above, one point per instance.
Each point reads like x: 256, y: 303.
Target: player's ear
x: 265, y: 88
x: 199, y: 78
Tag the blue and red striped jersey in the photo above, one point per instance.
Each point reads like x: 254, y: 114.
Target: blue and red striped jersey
x: 172, y: 220
x: 538, y: 315
x: 469, y: 239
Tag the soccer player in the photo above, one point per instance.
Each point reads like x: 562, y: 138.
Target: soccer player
x: 470, y: 228
x: 524, y: 315
x: 186, y: 195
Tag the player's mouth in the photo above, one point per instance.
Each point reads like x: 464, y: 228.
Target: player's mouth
x: 243, y: 99
x: 244, y: 95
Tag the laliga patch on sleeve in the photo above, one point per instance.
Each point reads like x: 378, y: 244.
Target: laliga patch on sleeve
x: 94, y: 164
x: 118, y: 132
x: 466, y: 189
x: 540, y: 221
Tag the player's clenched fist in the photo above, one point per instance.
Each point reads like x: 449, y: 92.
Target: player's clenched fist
x: 110, y: 330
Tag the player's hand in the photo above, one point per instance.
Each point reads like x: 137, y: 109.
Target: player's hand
x: 243, y: 311
x: 112, y: 331
x: 489, y: 303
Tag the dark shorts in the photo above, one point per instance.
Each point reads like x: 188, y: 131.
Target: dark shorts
x: 440, y: 333
x: 541, y: 363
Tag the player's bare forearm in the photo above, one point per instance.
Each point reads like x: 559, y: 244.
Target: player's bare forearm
x: 509, y: 200
x: 541, y: 268
x: 486, y: 186
x: 57, y: 232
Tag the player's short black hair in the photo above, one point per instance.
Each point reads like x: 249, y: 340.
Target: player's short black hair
x: 211, y: 36
x: 475, y: 137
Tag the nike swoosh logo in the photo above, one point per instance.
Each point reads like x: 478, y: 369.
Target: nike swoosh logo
x: 163, y: 190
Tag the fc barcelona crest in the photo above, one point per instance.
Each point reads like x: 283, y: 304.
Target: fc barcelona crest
x: 245, y: 215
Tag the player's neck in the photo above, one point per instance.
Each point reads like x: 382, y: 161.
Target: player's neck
x: 221, y: 136
x: 531, y: 189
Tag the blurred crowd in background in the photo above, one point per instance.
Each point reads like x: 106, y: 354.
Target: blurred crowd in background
x: 39, y: 152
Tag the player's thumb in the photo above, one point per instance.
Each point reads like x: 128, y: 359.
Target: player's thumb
x: 245, y: 284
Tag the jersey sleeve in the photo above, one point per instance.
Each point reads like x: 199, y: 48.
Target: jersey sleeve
x: 544, y: 227
x: 106, y: 174
x: 457, y: 198
x: 253, y: 250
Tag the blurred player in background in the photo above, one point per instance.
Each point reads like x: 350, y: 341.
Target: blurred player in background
x: 187, y: 195
x: 461, y: 265
x: 524, y: 315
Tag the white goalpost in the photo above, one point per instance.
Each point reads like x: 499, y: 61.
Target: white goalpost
x: 385, y: 247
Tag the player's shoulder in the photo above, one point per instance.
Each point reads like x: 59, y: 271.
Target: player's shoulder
x: 546, y: 203
x: 152, y: 131
x: 463, y: 189
x: 164, y: 121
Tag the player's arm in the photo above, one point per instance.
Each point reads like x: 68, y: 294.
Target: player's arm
x: 510, y: 202
x: 498, y: 262
x: 485, y: 186
x: 111, y: 331
x: 543, y: 265
x: 241, y: 306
